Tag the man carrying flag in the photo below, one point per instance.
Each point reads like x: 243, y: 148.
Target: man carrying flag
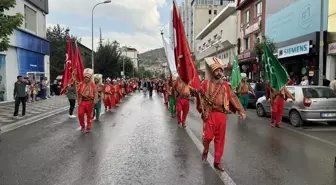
x: 87, y: 97
x: 243, y: 91
x: 276, y: 78
x: 214, y: 105
x: 182, y: 91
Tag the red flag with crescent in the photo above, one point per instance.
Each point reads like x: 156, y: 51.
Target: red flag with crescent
x: 67, y: 74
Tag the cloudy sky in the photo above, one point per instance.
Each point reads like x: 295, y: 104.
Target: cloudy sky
x: 135, y: 23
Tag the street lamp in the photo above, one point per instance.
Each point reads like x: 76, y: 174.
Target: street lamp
x: 92, y: 53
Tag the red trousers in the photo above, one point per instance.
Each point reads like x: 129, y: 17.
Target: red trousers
x: 117, y: 98
x: 109, y: 102
x: 85, y: 107
x: 215, y: 128
x: 182, y: 109
x: 277, y: 110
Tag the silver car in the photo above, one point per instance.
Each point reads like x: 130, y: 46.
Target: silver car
x: 312, y: 104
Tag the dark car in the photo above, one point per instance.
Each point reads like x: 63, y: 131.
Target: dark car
x: 259, y: 89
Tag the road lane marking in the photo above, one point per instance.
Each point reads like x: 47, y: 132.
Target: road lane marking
x: 31, y: 120
x: 222, y: 175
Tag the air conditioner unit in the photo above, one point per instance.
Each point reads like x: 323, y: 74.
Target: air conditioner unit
x: 241, y: 49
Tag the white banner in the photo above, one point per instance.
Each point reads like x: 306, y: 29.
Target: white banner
x: 170, y: 56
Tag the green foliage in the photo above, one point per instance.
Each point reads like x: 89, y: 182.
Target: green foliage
x: 259, y: 49
x: 58, y: 48
x: 259, y: 46
x: 107, y: 60
x: 8, y: 23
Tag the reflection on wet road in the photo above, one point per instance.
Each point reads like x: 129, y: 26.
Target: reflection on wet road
x: 139, y: 143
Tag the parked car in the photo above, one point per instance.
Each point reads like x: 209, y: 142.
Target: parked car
x: 259, y: 89
x: 312, y: 104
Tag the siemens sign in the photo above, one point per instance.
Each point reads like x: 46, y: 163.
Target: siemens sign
x: 294, y: 50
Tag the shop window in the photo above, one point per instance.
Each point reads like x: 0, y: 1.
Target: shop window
x: 258, y: 9
x: 30, y: 19
x: 247, y: 16
x: 247, y: 43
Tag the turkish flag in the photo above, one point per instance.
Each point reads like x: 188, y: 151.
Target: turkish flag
x: 185, y: 64
x: 77, y: 66
x: 67, y: 74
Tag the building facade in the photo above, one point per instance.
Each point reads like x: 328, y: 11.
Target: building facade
x: 252, y: 28
x: 132, y: 53
x: 298, y: 49
x: 202, y: 13
x: 219, y: 38
x: 331, y: 58
x: 28, y: 54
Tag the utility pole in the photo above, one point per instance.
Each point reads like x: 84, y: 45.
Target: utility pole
x: 100, y: 38
x: 321, y: 44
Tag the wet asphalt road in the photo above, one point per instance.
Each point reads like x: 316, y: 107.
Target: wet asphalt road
x: 136, y: 144
x: 140, y: 144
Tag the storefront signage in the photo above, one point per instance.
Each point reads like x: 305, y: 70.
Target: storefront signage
x: 254, y: 27
x: 332, y: 48
x: 244, y: 55
x: 294, y: 50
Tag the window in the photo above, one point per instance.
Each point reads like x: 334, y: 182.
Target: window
x: 209, y: 20
x: 215, y: 36
x: 30, y: 19
x: 257, y: 38
x: 318, y: 92
x: 246, y: 42
x: 215, y: 12
x: 291, y: 90
x: 209, y: 12
x: 258, y: 9
x: 247, y: 16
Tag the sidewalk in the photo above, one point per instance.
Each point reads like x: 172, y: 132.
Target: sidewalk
x: 36, y: 110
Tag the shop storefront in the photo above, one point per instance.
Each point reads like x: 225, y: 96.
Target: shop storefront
x: 248, y: 64
x: 331, y: 62
x: 300, y: 57
x: 28, y: 56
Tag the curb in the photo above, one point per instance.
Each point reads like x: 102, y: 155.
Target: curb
x: 31, y: 120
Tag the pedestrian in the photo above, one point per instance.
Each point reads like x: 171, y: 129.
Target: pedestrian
x: 47, y: 87
x: 87, y: 97
x: 243, y: 91
x: 99, y: 88
x: 165, y: 92
x: 71, y: 94
x: 20, y: 95
x: 182, y: 91
x: 277, y: 100
x: 220, y: 98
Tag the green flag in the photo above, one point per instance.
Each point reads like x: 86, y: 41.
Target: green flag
x: 275, y: 72
x: 235, y: 74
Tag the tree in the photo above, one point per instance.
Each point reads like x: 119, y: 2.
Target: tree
x: 128, y: 65
x: 8, y: 23
x: 107, y: 60
x: 259, y: 49
x: 58, y: 43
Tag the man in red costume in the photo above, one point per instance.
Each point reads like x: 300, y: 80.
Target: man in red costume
x: 182, y: 104
x: 87, y: 97
x: 277, y: 100
x: 214, y: 101
x: 109, y: 100
x: 116, y: 93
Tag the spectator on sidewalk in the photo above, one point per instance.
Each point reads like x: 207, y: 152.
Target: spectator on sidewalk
x: 71, y: 94
x: 20, y: 95
x: 47, y: 89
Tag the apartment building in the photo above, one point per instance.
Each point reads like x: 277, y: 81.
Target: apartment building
x: 331, y: 58
x: 133, y: 54
x: 219, y: 38
x: 202, y: 13
x: 28, y: 54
